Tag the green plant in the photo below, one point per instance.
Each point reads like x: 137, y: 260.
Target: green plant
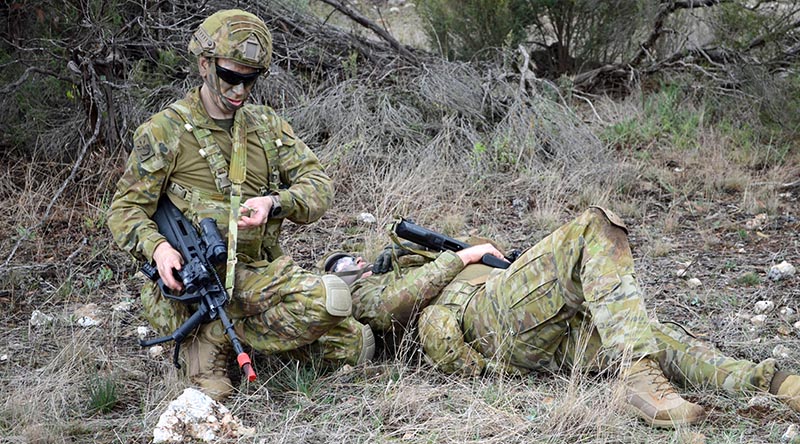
x: 749, y: 279
x: 102, y: 394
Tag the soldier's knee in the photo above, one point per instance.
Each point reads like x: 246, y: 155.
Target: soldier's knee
x: 338, y: 301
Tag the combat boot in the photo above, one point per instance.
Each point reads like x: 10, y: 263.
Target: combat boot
x: 651, y: 397
x: 206, y: 361
x: 787, y: 387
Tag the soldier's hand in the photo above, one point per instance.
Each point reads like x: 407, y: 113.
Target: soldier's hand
x: 383, y: 263
x: 168, y: 260
x: 473, y: 255
x: 255, y: 212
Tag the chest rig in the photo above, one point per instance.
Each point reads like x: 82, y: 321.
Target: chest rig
x: 228, y: 179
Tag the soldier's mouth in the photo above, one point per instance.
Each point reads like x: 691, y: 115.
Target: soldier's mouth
x: 236, y: 103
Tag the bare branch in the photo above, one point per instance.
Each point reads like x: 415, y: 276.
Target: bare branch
x: 369, y: 24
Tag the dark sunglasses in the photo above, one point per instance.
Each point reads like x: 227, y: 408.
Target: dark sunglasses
x: 234, y: 78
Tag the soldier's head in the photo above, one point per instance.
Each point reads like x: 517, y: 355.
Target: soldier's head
x: 348, y: 267
x: 233, y: 48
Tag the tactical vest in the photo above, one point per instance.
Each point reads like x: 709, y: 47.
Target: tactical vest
x: 256, y: 243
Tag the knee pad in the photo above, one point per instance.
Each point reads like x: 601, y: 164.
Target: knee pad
x: 367, y: 345
x: 338, y: 301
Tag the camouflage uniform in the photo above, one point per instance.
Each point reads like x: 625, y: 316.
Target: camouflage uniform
x: 572, y: 299
x: 277, y: 306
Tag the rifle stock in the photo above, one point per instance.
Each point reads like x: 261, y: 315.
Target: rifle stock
x: 202, y: 285
x: 439, y: 242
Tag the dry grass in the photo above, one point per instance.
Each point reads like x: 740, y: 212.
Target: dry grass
x: 461, y: 151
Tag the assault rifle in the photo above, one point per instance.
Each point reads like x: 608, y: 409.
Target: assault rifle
x: 439, y: 242
x: 201, y: 283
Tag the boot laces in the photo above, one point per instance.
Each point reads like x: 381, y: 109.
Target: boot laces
x: 648, y: 370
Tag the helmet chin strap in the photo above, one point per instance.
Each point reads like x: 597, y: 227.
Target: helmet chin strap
x: 212, y: 81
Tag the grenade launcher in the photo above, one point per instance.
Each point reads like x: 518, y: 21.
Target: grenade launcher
x: 201, y: 283
x: 439, y: 242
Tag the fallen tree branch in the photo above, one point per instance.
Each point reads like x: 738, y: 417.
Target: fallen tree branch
x: 369, y: 24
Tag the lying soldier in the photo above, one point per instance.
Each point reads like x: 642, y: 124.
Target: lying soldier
x: 570, y: 300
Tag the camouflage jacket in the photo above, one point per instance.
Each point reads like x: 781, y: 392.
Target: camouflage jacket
x: 168, y: 159
x: 383, y: 299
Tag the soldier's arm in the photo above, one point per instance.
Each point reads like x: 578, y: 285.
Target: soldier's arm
x: 384, y: 299
x: 310, y: 191
x: 137, y: 194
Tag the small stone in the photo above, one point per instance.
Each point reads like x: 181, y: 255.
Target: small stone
x: 792, y: 434
x: 796, y: 325
x: 194, y: 417
x: 4, y: 358
x: 367, y: 218
x: 39, y: 319
x: 680, y: 272
x: 394, y: 9
x: 781, y: 351
x: 788, y: 314
x: 87, y: 321
x: 781, y: 271
x: 155, y: 351
x: 759, y: 320
x: 759, y: 401
x: 764, y: 307
x: 87, y: 315
x: 694, y: 283
x: 141, y: 331
x: 757, y: 222
x: 784, y: 330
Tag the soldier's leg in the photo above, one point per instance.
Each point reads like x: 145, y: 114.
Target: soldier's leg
x: 443, y: 342
x: 687, y: 360
x: 204, y: 353
x: 282, y: 307
x: 164, y: 315
x: 585, y: 262
x: 349, y: 342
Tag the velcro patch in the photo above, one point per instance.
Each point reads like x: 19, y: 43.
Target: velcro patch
x: 143, y: 148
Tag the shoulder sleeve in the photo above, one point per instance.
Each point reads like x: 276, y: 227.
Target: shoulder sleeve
x: 155, y: 145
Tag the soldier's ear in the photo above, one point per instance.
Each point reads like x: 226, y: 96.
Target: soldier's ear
x: 203, y: 65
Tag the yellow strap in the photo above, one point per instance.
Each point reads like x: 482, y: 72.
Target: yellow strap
x: 237, y: 174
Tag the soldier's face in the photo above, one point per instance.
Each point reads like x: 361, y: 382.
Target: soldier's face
x: 230, y: 84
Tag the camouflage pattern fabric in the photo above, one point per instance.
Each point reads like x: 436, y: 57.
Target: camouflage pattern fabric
x: 520, y: 316
x: 571, y: 300
x: 234, y: 34
x: 276, y: 305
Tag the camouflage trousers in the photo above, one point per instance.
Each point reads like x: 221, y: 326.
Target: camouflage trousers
x: 275, y: 308
x: 522, y: 315
x: 570, y: 300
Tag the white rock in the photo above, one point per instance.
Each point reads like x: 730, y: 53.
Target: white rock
x: 39, y: 319
x: 367, y: 218
x: 781, y: 271
x: 4, y: 358
x: 759, y: 401
x: 680, y: 272
x: 394, y: 9
x: 781, y: 351
x: 88, y: 321
x: 141, y: 331
x: 155, y: 351
x: 791, y: 434
x: 796, y: 325
x: 88, y: 315
x: 195, y: 416
x: 759, y: 320
x: 694, y: 283
x: 123, y: 306
x: 788, y: 314
x: 764, y: 307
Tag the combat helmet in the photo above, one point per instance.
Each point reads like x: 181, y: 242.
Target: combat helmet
x: 234, y: 34
x: 326, y: 263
